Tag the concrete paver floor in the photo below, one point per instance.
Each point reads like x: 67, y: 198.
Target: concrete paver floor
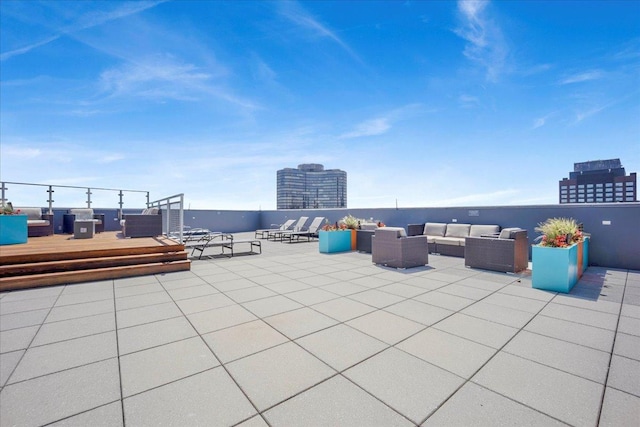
x: 293, y: 337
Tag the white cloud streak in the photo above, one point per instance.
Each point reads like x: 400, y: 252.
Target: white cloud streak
x: 86, y: 21
x: 583, y: 77
x: 486, y: 45
x: 372, y: 127
x: 297, y: 15
x: 381, y: 124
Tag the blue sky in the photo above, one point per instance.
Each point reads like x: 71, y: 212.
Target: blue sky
x: 421, y: 102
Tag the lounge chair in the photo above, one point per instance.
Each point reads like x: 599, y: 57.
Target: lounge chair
x: 309, y: 233
x: 264, y: 233
x: 299, y: 226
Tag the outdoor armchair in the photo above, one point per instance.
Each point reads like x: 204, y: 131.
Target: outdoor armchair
x: 508, y: 252
x: 392, y: 247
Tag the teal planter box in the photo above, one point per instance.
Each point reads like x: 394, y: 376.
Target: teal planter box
x: 554, y: 269
x: 13, y: 229
x: 335, y: 241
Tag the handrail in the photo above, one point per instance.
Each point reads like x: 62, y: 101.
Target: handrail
x: 51, y: 190
x: 169, y: 205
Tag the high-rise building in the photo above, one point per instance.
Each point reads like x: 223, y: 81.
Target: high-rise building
x: 310, y: 186
x: 598, y: 181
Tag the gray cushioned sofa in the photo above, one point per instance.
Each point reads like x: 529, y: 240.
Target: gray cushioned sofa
x: 38, y: 224
x: 449, y: 239
x: 146, y: 224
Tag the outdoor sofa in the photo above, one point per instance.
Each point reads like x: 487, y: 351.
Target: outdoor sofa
x: 146, y: 224
x: 38, y: 224
x: 449, y: 239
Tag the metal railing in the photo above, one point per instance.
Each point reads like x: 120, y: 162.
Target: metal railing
x: 172, y: 208
x: 89, y: 191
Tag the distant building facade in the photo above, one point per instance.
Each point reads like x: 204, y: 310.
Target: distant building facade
x: 598, y: 181
x: 310, y: 186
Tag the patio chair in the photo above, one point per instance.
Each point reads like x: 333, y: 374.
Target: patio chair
x: 146, y: 224
x: 309, y: 233
x: 264, y: 233
x: 392, y: 247
x: 299, y: 226
x: 508, y: 252
x: 85, y: 214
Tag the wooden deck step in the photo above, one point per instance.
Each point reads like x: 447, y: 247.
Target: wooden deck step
x: 105, y: 273
x: 88, y: 263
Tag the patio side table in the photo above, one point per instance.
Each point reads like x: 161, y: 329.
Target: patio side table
x: 84, y: 229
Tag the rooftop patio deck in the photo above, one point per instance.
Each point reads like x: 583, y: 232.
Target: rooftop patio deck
x: 293, y: 337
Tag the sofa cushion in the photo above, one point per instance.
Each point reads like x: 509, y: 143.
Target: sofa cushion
x: 478, y: 230
x: 507, y: 233
x: 33, y: 214
x: 390, y: 232
x: 37, y: 222
x: 150, y: 211
x: 457, y: 230
x: 435, y: 228
x: 451, y: 241
x: 82, y: 214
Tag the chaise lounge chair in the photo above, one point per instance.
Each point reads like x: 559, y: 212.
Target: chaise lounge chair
x: 299, y: 226
x: 309, y: 233
x: 264, y: 233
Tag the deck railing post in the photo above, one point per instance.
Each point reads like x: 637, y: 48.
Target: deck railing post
x: 50, y: 200
x: 181, y: 218
x: 120, y: 203
x: 88, y: 197
x: 3, y: 189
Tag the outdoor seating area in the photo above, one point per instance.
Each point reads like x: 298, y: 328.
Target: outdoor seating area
x: 297, y: 338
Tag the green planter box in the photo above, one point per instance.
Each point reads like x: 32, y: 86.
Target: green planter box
x: 13, y: 229
x: 334, y: 241
x: 554, y: 269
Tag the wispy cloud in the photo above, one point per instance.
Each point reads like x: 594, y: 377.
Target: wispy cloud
x: 486, y: 45
x: 468, y: 101
x: 297, y: 15
x: 165, y: 77
x: 381, y: 124
x: 83, y: 22
x: 581, y: 115
x: 371, y: 127
x: 583, y: 77
x: 541, y: 121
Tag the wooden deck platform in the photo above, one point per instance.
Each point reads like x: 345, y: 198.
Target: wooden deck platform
x: 61, y: 259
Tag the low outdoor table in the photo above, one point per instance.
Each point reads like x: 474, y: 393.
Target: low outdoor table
x: 84, y: 229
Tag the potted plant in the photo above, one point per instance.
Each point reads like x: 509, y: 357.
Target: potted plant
x: 352, y: 223
x: 13, y: 225
x: 334, y: 238
x: 560, y: 257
